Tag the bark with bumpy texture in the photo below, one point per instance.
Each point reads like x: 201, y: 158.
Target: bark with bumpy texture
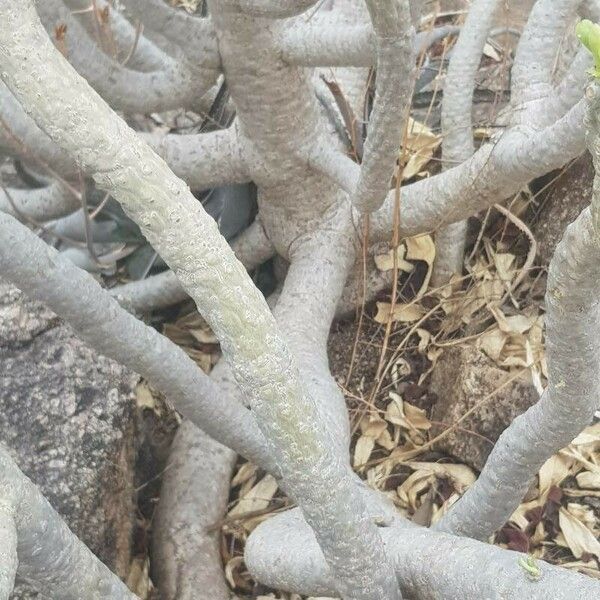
x: 284, y: 554
x: 68, y: 110
x: 395, y: 65
x: 98, y: 319
x: 573, y: 353
x: 186, y: 546
x: 252, y: 248
x: 457, y: 126
x: 50, y: 556
x: 535, y: 59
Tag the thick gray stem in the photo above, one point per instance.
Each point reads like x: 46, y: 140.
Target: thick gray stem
x: 50, y: 556
x: 202, y: 160
x: 457, y: 125
x: 99, y: 320
x: 252, y: 248
x: 78, y: 120
x: 283, y: 553
x: 495, y: 171
x: 571, y: 398
x: 535, y: 61
x: 176, y: 31
x: 193, y: 499
x: 395, y: 65
x: 40, y: 204
x: 178, y: 84
x: 127, y: 41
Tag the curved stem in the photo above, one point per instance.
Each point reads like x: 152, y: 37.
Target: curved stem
x: 535, y: 60
x: 457, y: 125
x: 202, y: 160
x: 41, y: 204
x: 305, y: 311
x: 20, y: 136
x: 395, y: 65
x: 496, y: 170
x: 183, y: 33
x: 50, y: 556
x: 571, y: 398
x: 77, y: 119
x: 324, y: 43
x: 177, y: 84
x: 128, y: 40
x: 282, y: 553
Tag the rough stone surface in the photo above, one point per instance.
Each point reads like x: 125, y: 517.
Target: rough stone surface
x: 462, y: 377
x: 568, y: 196
x: 68, y: 417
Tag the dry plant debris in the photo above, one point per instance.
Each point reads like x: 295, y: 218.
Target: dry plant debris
x: 498, y: 308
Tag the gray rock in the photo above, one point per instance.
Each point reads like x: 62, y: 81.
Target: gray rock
x: 69, y: 419
x: 568, y: 196
x: 462, y: 377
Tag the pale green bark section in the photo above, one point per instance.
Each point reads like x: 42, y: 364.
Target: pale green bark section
x: 252, y: 248
x: 78, y: 120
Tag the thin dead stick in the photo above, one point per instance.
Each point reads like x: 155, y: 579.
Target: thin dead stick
x: 530, y: 254
x: 251, y: 514
x: 348, y: 116
x: 361, y: 314
x: 139, y: 29
x: 87, y: 228
x: 96, y: 211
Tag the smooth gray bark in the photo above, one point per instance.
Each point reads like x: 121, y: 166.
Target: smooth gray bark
x: 40, y: 204
x: 186, y: 537
x: 127, y: 40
